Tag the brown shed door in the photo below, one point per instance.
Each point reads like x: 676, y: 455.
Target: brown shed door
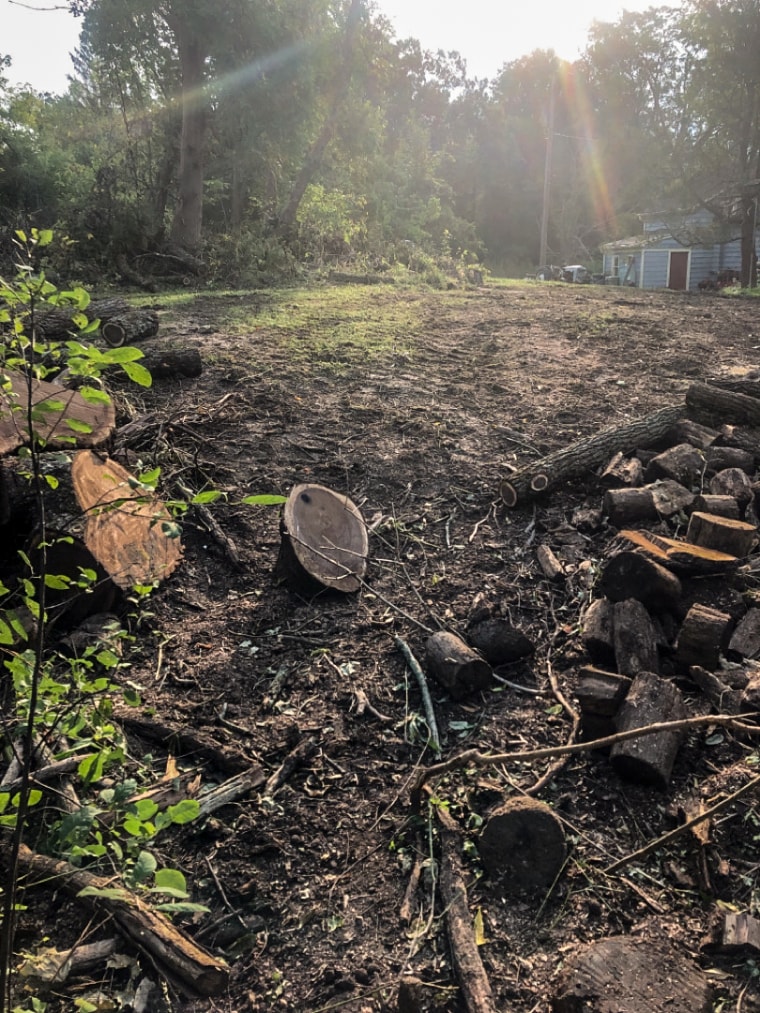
x: 679, y: 269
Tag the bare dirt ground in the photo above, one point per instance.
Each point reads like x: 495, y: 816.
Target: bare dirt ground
x: 306, y: 889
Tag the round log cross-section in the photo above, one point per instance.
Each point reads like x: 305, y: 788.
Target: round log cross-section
x: 324, y: 539
x: 455, y: 665
x: 522, y: 844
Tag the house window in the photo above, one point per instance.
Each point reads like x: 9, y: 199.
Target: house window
x: 615, y: 266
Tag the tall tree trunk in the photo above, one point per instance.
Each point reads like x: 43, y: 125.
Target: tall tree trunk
x: 188, y: 216
x: 749, y: 224
x: 341, y: 83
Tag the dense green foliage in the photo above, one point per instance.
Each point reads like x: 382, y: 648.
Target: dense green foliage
x: 262, y: 137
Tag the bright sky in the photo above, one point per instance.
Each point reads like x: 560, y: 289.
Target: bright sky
x: 488, y: 33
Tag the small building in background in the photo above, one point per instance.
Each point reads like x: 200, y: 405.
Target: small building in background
x: 678, y: 250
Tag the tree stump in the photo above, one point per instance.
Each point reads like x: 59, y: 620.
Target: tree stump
x: 703, y: 635
x: 456, y: 666
x: 722, y: 534
x: 634, y: 638
x: 650, y: 758
x: 633, y: 975
x: 632, y: 575
x: 129, y: 327
x: 324, y: 541
x: 522, y: 845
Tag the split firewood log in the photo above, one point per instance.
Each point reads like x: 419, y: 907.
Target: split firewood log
x: 622, y: 472
x: 683, y: 464
x: 323, y: 540
x: 455, y: 665
x: 723, y: 534
x: 708, y: 402
x: 629, y: 506
x: 596, y: 631
x: 600, y: 695
x: 634, y: 638
x: 680, y: 557
x: 688, y: 431
x: 720, y: 458
x: 733, y: 482
x: 721, y: 506
x: 499, y: 642
x: 745, y: 640
x: 648, y: 759
x: 633, y: 575
x: 703, y: 637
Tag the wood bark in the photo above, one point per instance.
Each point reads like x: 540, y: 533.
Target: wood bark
x: 185, y: 964
x: 719, y: 458
x: 596, y: 631
x: 670, y: 497
x: 323, y: 540
x: 169, y: 363
x: 600, y: 695
x: 522, y: 846
x: 455, y: 665
x: 745, y: 640
x: 585, y: 455
x: 648, y: 759
x: 721, y: 506
x: 709, y: 402
x: 56, y: 324
x: 633, y: 575
x: 688, y: 431
x: 724, y: 699
x: 683, y: 464
x: 635, y: 638
x: 622, y: 973
x: 622, y: 472
x: 629, y: 506
x: 680, y: 557
x: 733, y: 482
x: 129, y: 327
x: 499, y: 642
x: 710, y: 531
x: 703, y: 636
x: 473, y: 980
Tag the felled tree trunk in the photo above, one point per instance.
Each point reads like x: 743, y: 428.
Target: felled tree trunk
x: 57, y: 323
x: 129, y: 327
x: 166, y: 363
x: 711, y: 402
x: 587, y: 454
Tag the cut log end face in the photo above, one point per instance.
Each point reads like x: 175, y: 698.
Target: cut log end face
x: 327, y: 536
x: 523, y: 846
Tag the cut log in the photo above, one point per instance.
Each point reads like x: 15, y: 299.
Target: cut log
x: 600, y: 695
x: 683, y: 464
x: 746, y: 637
x: 635, y: 975
x: 60, y: 418
x: 720, y: 458
x: 596, y: 631
x: 68, y: 557
x: 499, y: 642
x: 128, y: 530
x: 186, y: 965
x: 723, y: 699
x: 740, y: 932
x: 633, y: 575
x: 129, y: 327
x: 733, y: 482
x: 635, y: 639
x: 550, y: 566
x: 681, y: 557
x: 670, y: 497
x: 688, y: 431
x: 57, y: 324
x: 722, y: 534
x: 648, y: 759
x: 456, y: 666
x: 585, y: 455
x: 721, y: 506
x: 522, y: 845
x: 622, y: 472
x: 707, y: 403
x: 324, y: 542
x: 168, y: 363
x: 629, y: 506
x: 703, y: 636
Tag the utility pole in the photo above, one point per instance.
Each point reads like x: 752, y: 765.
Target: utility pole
x: 542, y: 257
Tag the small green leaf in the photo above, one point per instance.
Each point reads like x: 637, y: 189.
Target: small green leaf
x: 137, y: 374
x: 6, y: 633
x: 78, y: 426
x: 92, y: 395
x: 209, y: 496
x: 109, y: 892
x: 264, y: 500
x: 184, y: 812
x: 172, y: 882
x: 58, y: 582
x: 144, y: 867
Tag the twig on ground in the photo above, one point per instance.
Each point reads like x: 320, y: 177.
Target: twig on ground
x: 303, y: 752
x: 427, y: 700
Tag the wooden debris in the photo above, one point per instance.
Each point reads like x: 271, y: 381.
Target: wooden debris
x: 688, y: 431
x: 324, y: 540
x: 499, y: 642
x: 427, y: 700
x: 709, y: 402
x: 128, y: 327
x: 456, y: 666
x: 128, y: 530
x: 551, y: 567
x: 585, y: 455
x: 596, y: 631
x: 629, y: 506
x: 703, y: 636
x: 648, y: 759
x: 600, y: 695
x: 633, y: 575
x: 634, y: 638
x: 681, y: 557
x: 745, y: 640
x: 48, y: 966
x: 169, y: 363
x: 721, y: 458
x: 721, y: 506
x: 670, y: 497
x: 55, y: 324
x: 473, y: 980
x: 723, y: 534
x: 721, y: 696
x: 622, y: 472
x: 185, y: 964
x: 635, y: 975
x: 522, y: 845
x: 234, y: 788
x: 60, y: 417
x: 683, y: 464
x: 733, y: 482
x: 740, y: 931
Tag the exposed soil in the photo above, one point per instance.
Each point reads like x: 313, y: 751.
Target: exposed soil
x: 419, y: 438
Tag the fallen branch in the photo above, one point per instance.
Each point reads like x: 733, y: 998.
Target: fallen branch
x: 473, y: 980
x: 427, y: 700
x: 230, y: 791
x: 303, y: 752
x: 189, y: 967
x: 474, y: 758
x: 212, y: 525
